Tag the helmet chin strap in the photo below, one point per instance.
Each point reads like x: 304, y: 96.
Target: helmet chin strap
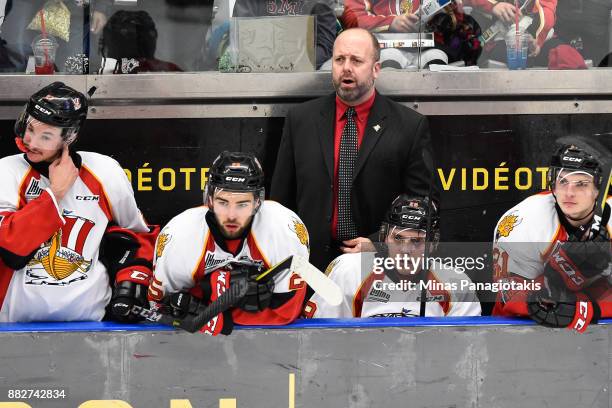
x: 582, y: 218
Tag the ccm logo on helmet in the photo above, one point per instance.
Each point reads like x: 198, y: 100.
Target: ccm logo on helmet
x: 572, y: 159
x: 235, y: 179
x: 411, y: 217
x: 41, y: 109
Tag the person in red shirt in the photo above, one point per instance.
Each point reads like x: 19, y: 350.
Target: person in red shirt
x: 542, y: 11
x: 388, y: 142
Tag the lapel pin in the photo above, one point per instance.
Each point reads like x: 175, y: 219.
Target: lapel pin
x: 377, y: 127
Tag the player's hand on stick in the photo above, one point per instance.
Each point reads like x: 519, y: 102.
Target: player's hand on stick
x: 556, y: 306
x: 126, y: 295
x: 259, y: 292
x: 578, y: 264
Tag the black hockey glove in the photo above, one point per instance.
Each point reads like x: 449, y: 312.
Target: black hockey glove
x: 188, y: 308
x: 555, y: 306
x: 125, y: 295
x: 181, y: 305
x: 259, y: 293
x: 578, y: 263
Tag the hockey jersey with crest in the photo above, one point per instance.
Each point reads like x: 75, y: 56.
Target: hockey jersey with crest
x: 186, y: 247
x: 49, y: 266
x: 367, y: 294
x: 524, y: 238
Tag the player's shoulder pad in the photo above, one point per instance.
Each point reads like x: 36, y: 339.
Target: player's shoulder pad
x: 349, y: 270
x: 184, y: 234
x: 450, y: 274
x: 360, y: 264
x: 13, y: 169
x: 459, y: 280
x: 14, y: 164
x: 532, y: 220
x: 188, y: 222
x: 274, y: 219
x: 104, y: 168
x: 99, y: 161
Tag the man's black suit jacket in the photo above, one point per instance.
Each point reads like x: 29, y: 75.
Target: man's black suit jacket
x: 390, y: 162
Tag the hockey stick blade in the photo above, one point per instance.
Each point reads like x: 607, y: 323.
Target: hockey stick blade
x: 317, y: 280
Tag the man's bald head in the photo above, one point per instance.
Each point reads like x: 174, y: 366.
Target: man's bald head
x: 353, y: 33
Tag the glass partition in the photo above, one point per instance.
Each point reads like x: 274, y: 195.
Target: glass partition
x: 133, y: 36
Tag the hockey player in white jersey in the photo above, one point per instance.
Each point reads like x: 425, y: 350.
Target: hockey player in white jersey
x: 234, y: 224
x: 373, y: 288
x: 560, y: 240
x: 56, y: 207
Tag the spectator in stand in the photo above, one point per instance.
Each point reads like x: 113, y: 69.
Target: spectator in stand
x: 130, y: 38
x: 545, y: 48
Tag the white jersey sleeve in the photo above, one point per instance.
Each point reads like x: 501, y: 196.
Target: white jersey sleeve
x: 13, y: 170
x: 523, y: 234
x: 346, y: 272
x: 278, y: 233
x: 178, y: 251
x: 117, y: 189
x: 463, y: 300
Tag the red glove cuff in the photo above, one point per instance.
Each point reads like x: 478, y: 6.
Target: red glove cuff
x: 587, y: 312
x: 136, y: 273
x: 219, y: 282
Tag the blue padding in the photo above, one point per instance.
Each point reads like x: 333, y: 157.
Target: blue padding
x: 299, y: 324
x: 80, y: 327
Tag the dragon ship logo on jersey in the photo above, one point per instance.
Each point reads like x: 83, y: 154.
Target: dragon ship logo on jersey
x: 59, y: 261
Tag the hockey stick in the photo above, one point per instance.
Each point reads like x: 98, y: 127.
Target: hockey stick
x: 320, y: 283
x: 429, y: 165
x: 229, y: 298
x: 317, y: 280
x: 600, y: 204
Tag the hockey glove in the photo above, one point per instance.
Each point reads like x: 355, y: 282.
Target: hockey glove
x: 578, y: 264
x: 181, y: 305
x: 125, y: 295
x: 259, y: 293
x: 213, y: 286
x: 555, y: 306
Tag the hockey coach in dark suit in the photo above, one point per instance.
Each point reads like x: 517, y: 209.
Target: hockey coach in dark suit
x: 344, y: 157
